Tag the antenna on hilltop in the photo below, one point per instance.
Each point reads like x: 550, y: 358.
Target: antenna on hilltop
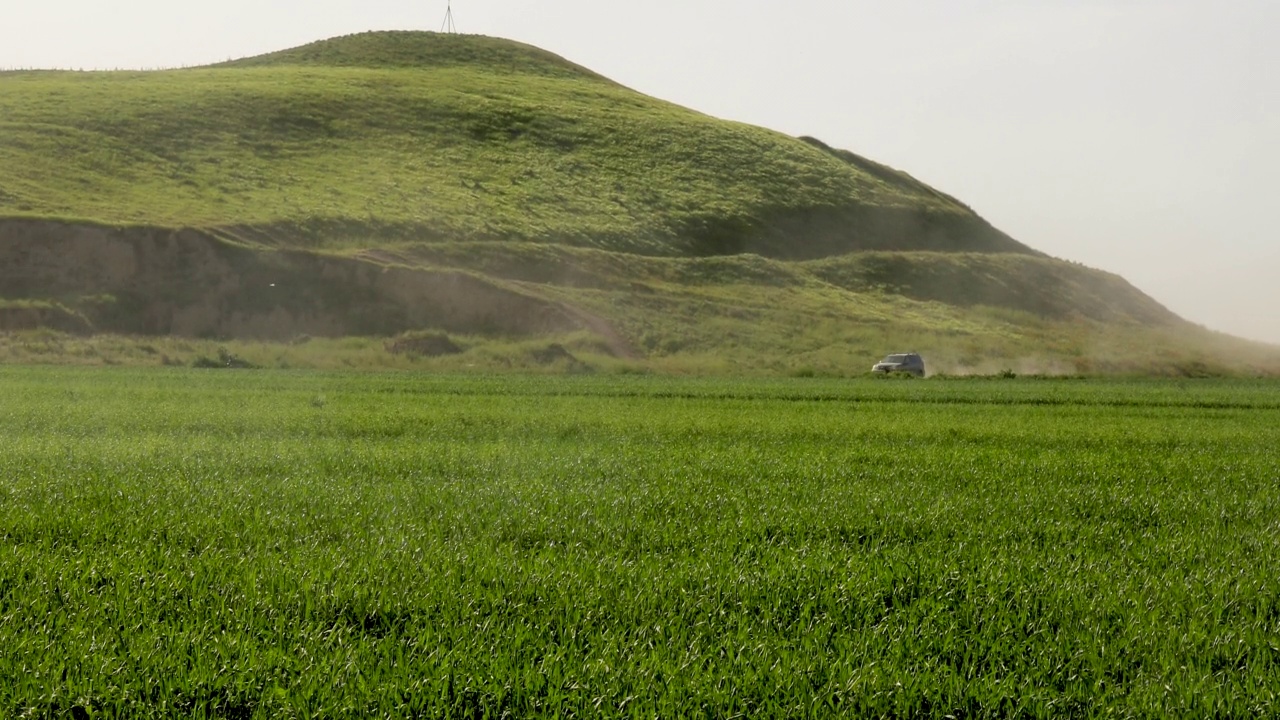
x: 448, y: 19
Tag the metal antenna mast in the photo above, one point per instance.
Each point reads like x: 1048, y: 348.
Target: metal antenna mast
x: 448, y: 19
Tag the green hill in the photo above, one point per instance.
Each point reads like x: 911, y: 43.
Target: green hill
x: 387, y: 137
x: 389, y: 182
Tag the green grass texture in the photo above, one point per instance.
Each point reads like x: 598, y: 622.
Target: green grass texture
x: 283, y: 544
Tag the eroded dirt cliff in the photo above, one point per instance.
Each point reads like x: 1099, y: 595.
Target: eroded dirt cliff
x: 188, y: 283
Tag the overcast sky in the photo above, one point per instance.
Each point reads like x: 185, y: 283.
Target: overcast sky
x: 1137, y: 136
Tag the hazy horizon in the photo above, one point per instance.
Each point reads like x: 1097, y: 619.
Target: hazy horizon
x: 1139, y: 137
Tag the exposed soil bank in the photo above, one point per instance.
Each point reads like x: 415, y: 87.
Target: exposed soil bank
x: 184, y: 282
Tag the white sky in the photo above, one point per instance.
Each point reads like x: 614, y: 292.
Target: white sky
x: 1137, y: 136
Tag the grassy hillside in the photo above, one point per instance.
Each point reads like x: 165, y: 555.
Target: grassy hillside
x: 378, y: 138
x: 385, y: 183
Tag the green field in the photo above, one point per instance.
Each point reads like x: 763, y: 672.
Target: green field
x: 176, y: 542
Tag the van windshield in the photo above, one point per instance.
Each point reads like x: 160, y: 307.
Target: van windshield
x: 896, y: 359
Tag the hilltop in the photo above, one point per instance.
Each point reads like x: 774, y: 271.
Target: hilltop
x: 419, y: 50
x: 401, y: 181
